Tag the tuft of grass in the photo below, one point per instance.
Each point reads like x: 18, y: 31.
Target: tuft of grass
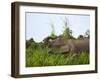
x: 41, y: 57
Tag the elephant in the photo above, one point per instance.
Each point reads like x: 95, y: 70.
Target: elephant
x: 60, y: 45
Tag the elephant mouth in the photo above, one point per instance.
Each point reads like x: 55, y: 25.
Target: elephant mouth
x: 62, y: 50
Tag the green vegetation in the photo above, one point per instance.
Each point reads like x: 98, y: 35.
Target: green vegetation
x: 67, y: 33
x: 41, y: 57
x: 53, y: 35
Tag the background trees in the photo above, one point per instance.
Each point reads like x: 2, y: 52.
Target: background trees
x: 85, y: 35
x: 53, y: 35
x: 67, y: 32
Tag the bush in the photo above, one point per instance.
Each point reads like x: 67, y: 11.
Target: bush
x: 41, y: 57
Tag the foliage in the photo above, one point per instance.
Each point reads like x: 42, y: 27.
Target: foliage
x: 53, y: 35
x: 67, y: 32
x: 30, y: 43
x: 87, y: 34
x: 41, y: 57
x: 80, y: 37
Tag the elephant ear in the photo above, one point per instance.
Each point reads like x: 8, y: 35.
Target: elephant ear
x: 71, y: 44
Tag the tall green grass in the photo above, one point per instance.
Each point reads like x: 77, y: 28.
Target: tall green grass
x: 41, y: 57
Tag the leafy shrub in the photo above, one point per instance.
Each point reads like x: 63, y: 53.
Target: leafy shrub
x: 41, y: 57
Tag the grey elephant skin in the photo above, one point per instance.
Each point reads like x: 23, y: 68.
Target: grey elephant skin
x: 68, y: 46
